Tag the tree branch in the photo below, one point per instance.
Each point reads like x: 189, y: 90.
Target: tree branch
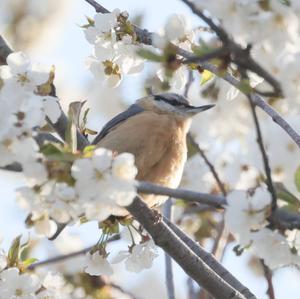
x: 181, y: 252
x: 210, y: 260
x: 5, y: 50
x: 268, y: 276
x: 168, y: 261
x: 208, y: 163
x: 146, y: 37
x: 264, y: 155
x: 238, y: 55
x: 256, y: 99
x: 64, y: 257
x: 187, y: 195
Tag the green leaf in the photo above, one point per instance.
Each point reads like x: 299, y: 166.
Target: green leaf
x: 90, y: 23
x: 88, y: 151
x: 285, y: 195
x: 206, y: 76
x: 149, y: 55
x: 297, y: 178
x: 14, y: 251
x: 51, y: 149
x: 29, y: 262
x: 202, y: 49
x: 245, y: 87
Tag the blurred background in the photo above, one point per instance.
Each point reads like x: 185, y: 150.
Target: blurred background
x: 49, y: 32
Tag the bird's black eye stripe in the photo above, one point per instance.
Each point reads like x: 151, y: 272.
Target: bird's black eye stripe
x: 171, y: 102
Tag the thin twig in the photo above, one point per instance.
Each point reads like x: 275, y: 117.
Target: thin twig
x: 168, y: 261
x: 188, y: 83
x: 5, y: 50
x: 268, y: 275
x: 216, y: 53
x: 99, y: 8
x: 238, y: 55
x: 64, y: 257
x: 257, y: 99
x: 220, y: 32
x: 208, y: 163
x: 264, y: 155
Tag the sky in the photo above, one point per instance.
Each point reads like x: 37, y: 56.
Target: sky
x: 64, y: 45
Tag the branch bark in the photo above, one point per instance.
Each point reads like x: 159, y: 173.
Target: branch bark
x: 216, y: 201
x: 236, y: 54
x: 181, y: 252
x: 210, y: 260
x: 5, y: 50
x: 168, y: 260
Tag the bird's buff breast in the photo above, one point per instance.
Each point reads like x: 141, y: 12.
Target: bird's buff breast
x: 158, y: 143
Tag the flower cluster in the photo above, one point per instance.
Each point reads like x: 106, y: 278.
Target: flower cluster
x: 24, y: 89
x: 246, y: 216
x: 17, y: 281
x: 137, y: 258
x: 94, y: 186
x: 273, y: 27
x: 115, y: 47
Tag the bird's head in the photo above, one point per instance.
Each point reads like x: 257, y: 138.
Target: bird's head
x: 171, y: 103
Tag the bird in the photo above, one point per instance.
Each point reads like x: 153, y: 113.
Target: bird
x: 154, y: 130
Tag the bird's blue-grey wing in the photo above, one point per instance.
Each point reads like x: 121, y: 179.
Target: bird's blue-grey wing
x: 131, y: 111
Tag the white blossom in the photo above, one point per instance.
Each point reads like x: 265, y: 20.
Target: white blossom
x: 140, y: 257
x: 273, y: 248
x: 114, y: 55
x: 97, y: 265
x: 103, y: 191
x: 246, y: 212
x: 16, y: 285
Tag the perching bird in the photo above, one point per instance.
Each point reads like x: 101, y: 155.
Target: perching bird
x: 154, y: 130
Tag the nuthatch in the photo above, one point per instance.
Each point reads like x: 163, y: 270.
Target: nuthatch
x: 154, y: 130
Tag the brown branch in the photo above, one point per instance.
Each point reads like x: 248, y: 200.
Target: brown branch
x: 146, y: 37
x: 188, y: 83
x: 238, y: 55
x: 216, y: 53
x: 208, y: 163
x: 264, y: 155
x: 216, y: 201
x: 257, y: 100
x: 210, y: 260
x: 268, y: 275
x: 220, y: 32
x: 167, y: 211
x: 5, y: 50
x: 207, y: 277
x: 60, y: 258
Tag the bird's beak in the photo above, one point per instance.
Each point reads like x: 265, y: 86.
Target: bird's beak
x: 195, y: 110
